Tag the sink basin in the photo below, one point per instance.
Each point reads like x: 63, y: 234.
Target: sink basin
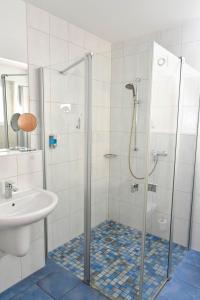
x: 17, y: 215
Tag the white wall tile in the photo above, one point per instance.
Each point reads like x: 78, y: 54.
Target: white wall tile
x: 76, y: 35
x: 37, y: 230
x: 182, y: 205
x: 58, y: 87
x: 186, y: 154
x: 76, y: 196
x: 38, y: 48
x: 58, y: 51
x: 61, y: 232
x: 196, y: 209
x: 58, y: 27
x: 76, y: 223
x: 8, y: 166
x: 188, y: 119
x: 60, y: 176
x: 184, y: 182
x: 181, y: 231
x: 100, y: 212
x: 33, y: 82
x: 8, y: 278
x: 195, y: 237
x: 63, y: 208
x: 34, y: 260
x: 38, y: 18
x: 29, y: 162
x: 27, y: 181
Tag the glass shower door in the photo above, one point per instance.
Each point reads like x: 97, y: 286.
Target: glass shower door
x: 186, y: 159
x: 66, y: 130
x: 118, y: 196
x: 162, y: 154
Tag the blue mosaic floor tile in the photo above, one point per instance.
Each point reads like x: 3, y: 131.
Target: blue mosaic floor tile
x: 178, y: 290
x: 58, y: 283
x: 83, y: 292
x: 16, y: 289
x: 116, y: 259
x: 33, y: 293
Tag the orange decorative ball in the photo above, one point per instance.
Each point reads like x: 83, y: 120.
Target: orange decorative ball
x: 27, y: 122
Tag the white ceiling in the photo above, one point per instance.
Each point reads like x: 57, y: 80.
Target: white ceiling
x: 117, y: 20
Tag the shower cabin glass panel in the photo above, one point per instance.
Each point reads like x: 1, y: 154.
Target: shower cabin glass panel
x: 184, y: 187
x: 162, y: 148
x: 173, y: 126
x: 121, y: 242
x: 64, y: 103
x: 117, y: 242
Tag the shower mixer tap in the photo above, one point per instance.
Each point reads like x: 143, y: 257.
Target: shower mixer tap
x: 157, y: 154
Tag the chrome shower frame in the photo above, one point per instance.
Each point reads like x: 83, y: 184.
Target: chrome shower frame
x: 87, y: 60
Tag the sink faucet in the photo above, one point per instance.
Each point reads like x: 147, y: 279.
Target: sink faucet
x: 9, y: 188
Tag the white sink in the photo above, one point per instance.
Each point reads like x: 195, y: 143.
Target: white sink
x: 17, y: 215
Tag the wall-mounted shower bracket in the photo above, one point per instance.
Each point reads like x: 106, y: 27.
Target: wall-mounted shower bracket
x: 110, y: 155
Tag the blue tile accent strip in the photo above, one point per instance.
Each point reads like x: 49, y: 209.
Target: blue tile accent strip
x: 185, y: 283
x: 16, y: 289
x: 33, y: 293
x: 58, y: 283
x: 51, y: 282
x: 188, y: 273
x: 51, y: 267
x: 193, y: 258
x: 178, y: 290
x: 83, y: 292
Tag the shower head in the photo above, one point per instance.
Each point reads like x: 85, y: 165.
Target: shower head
x: 130, y: 86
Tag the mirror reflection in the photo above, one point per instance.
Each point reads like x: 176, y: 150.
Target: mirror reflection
x: 14, y: 100
x: 14, y: 91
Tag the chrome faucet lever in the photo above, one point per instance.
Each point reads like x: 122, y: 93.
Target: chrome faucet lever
x: 9, y: 188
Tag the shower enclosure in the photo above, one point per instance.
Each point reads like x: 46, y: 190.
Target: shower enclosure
x: 116, y: 130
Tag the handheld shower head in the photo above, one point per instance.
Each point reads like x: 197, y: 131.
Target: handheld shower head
x: 130, y: 86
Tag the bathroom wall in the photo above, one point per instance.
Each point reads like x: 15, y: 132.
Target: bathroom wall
x: 13, y: 43
x: 164, y: 110
x: 128, y: 66
x: 25, y: 170
x: 181, y: 41
x: 53, y: 43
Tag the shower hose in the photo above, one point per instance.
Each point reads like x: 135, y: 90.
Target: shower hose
x: 133, y: 127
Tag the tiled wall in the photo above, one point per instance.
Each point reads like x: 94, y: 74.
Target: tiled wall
x: 55, y: 43
x: 164, y: 109
x: 181, y: 41
x: 25, y: 170
x: 127, y: 66
x: 13, y: 38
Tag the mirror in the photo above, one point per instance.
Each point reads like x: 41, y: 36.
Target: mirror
x: 14, y: 91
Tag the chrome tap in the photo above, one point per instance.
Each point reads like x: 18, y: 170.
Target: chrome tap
x: 9, y: 188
